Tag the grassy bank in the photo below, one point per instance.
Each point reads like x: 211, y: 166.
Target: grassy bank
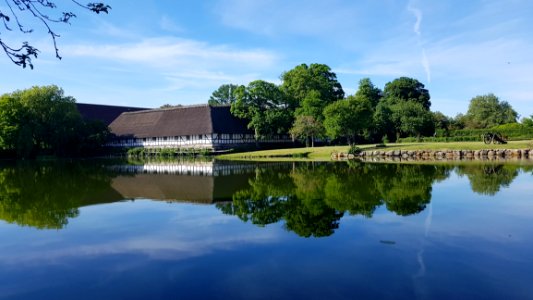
x: 324, y: 153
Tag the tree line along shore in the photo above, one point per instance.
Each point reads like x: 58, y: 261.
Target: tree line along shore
x: 309, y: 104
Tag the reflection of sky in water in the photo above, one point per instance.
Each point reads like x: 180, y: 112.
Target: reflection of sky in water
x: 462, y: 245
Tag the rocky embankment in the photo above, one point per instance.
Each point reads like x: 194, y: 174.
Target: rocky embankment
x: 439, y: 154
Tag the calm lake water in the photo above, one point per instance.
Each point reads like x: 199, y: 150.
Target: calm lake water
x: 212, y: 230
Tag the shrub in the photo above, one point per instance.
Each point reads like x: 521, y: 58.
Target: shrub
x: 205, y: 151
x: 354, y: 150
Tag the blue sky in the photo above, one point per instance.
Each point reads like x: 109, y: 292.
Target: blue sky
x: 148, y: 53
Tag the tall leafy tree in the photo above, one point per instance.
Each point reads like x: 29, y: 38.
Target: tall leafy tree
x: 44, y: 12
x: 312, y: 106
x: 224, y: 95
x: 407, y: 89
x: 43, y: 119
x: 441, y: 121
x: 528, y: 121
x: 383, y: 125
x: 302, y: 79
x: 307, y: 128
x: 347, y: 118
x: 412, y: 119
x: 369, y: 91
x: 263, y: 105
x: 486, y: 111
x: 404, y: 95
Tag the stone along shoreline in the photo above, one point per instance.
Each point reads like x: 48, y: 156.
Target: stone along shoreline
x: 439, y: 154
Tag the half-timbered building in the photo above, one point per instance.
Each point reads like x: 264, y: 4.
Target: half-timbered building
x: 198, y: 126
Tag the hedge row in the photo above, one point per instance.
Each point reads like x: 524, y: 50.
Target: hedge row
x: 440, y: 139
x: 511, y: 133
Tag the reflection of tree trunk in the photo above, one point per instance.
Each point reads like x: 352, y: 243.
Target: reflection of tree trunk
x: 256, y: 138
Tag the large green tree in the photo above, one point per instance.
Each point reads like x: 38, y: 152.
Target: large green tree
x: 44, y: 120
x: 264, y: 106
x: 441, y: 121
x: 302, y: 79
x: 312, y: 106
x: 347, y: 118
x: 383, y: 125
x: 224, y: 95
x: 412, y: 119
x: 528, y: 121
x: 407, y: 89
x: 367, y: 90
x: 487, y: 111
x: 404, y: 109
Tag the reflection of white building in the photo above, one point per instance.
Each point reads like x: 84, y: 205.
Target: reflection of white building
x: 199, y: 126
x: 194, y: 168
x: 188, y: 181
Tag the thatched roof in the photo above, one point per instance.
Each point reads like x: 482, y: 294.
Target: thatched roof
x: 178, y: 121
x: 104, y: 113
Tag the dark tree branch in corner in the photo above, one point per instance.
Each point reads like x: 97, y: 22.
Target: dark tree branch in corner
x: 22, y: 56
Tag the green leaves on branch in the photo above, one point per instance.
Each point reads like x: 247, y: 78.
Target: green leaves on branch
x: 405, y: 89
x: 487, y: 111
x: 307, y: 128
x: 263, y: 104
x: 224, y: 95
x: 347, y: 118
x: 412, y: 119
x: 528, y: 122
x: 301, y: 80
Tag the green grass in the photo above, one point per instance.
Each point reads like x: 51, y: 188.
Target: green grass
x: 324, y: 153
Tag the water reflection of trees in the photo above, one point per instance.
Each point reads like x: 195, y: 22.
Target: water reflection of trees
x: 46, y: 195
x: 488, y: 179
x: 312, y: 198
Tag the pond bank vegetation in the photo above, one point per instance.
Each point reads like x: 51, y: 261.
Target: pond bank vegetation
x: 325, y: 153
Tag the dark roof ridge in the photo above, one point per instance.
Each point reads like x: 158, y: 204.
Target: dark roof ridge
x: 112, y: 105
x: 221, y: 105
x: 167, y: 109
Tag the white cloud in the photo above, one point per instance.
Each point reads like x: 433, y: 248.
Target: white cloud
x: 416, y: 29
x: 425, y: 63
x: 418, y: 15
x: 177, y: 64
x: 167, y: 53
